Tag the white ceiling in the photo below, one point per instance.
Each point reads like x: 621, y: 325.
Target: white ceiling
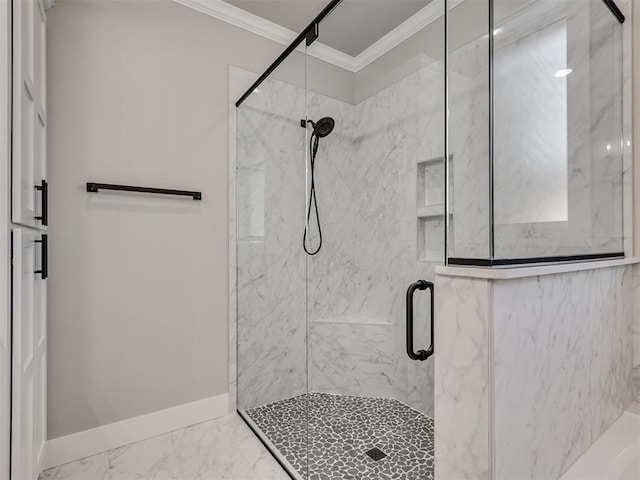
x: 352, y: 28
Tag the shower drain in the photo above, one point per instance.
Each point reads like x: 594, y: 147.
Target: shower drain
x: 376, y: 454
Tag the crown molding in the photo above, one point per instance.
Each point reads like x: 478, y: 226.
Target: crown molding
x: 253, y: 23
x: 241, y: 18
x: 267, y: 29
x: 332, y: 55
x: 406, y: 29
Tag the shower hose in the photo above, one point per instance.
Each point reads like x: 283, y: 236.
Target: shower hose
x: 313, y: 201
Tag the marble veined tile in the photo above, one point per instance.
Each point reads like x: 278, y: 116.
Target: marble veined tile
x: 636, y: 333
x: 352, y: 359
x: 541, y: 373
x: 462, y: 386
x: 562, y: 367
x: 224, y: 449
x: 221, y: 449
x: 610, y: 292
x: 636, y: 317
x: 95, y: 467
x: 152, y: 459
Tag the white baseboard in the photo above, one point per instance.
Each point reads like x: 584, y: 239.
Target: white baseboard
x: 79, y: 445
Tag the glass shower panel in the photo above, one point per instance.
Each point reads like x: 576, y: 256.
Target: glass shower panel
x: 558, y: 130
x: 271, y: 269
x: 469, y: 117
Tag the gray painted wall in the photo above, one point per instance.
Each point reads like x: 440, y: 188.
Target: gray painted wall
x: 138, y: 316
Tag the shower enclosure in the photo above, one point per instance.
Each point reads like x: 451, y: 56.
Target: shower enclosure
x: 480, y: 132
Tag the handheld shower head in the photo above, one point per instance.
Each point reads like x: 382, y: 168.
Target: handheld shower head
x: 323, y: 127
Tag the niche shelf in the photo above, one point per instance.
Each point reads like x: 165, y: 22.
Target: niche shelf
x: 430, y: 211
x: 430, y: 182
x: 430, y: 197
x: 431, y: 238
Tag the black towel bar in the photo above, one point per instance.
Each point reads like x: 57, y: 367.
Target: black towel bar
x: 94, y: 187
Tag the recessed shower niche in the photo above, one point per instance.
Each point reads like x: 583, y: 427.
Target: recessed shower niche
x: 430, y: 211
x: 431, y: 186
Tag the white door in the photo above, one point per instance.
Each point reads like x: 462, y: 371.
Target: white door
x: 29, y: 352
x: 29, y: 113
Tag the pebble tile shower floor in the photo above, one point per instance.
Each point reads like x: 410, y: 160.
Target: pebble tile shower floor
x: 342, y: 429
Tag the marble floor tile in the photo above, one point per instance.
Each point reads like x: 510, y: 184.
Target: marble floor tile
x: 152, y: 459
x: 221, y: 449
x: 95, y: 467
x: 224, y: 449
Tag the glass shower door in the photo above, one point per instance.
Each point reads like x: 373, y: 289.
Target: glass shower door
x: 271, y: 268
x: 379, y: 187
x: 340, y: 191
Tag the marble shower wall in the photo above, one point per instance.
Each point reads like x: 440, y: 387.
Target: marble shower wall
x: 462, y: 374
x: 636, y: 332
x: 357, y: 284
x: 270, y: 263
x: 366, y: 190
x: 366, y: 186
x: 562, y: 367
x: 545, y: 370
